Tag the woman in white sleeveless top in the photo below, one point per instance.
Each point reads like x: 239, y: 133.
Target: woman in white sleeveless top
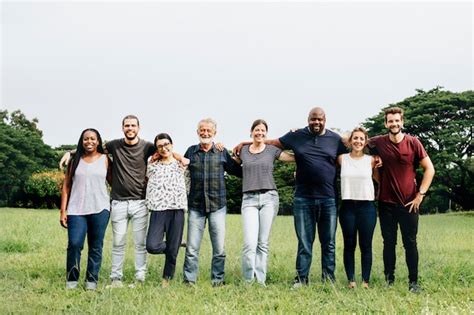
x: 357, y: 214
x: 85, y: 207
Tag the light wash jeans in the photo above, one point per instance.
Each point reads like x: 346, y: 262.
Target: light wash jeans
x: 122, y: 212
x: 258, y: 212
x: 196, y: 225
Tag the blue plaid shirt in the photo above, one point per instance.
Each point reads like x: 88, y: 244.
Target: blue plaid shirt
x: 207, y: 192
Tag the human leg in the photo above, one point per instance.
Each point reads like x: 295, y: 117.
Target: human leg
x: 217, y: 235
x: 196, y: 225
x: 96, y: 226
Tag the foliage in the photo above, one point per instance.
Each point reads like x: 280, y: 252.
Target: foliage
x: 443, y: 121
x: 22, y: 152
x: 284, y: 180
x: 33, y: 251
x: 44, y: 189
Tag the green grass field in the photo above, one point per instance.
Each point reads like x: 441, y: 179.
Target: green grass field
x: 33, y: 255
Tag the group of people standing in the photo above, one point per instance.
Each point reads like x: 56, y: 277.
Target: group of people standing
x: 149, y: 177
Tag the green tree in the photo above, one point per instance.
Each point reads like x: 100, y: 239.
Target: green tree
x: 22, y: 152
x: 442, y: 120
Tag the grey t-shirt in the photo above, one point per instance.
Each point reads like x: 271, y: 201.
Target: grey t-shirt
x: 129, y: 168
x: 257, y: 169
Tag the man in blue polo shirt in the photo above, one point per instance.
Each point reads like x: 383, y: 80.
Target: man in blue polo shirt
x: 316, y: 149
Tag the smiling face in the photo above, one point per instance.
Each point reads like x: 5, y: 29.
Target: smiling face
x: 394, y: 123
x: 164, y: 147
x: 259, y: 133
x: 90, y: 141
x: 206, y: 132
x: 317, y: 121
x: 130, y: 129
x: 358, y: 141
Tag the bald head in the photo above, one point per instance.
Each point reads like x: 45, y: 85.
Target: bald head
x: 317, y: 121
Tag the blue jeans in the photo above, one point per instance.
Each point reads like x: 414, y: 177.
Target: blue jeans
x: 196, y: 225
x: 78, y: 226
x: 258, y: 212
x: 309, y: 213
x: 358, y: 217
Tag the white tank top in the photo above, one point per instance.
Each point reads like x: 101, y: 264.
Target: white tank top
x: 356, y: 178
x: 89, y: 193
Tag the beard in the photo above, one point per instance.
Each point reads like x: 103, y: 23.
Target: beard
x: 395, y: 132
x: 205, y: 140
x: 130, y: 138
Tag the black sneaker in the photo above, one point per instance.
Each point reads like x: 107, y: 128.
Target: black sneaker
x: 390, y: 281
x: 413, y: 287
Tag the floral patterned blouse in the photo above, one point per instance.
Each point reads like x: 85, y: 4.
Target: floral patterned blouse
x: 166, y: 188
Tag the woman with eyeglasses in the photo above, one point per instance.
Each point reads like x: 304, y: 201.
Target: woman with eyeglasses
x: 166, y: 199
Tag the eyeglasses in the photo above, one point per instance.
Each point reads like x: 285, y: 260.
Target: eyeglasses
x: 164, y: 145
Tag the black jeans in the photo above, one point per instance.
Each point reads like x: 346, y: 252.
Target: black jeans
x: 391, y: 215
x: 170, y: 222
x: 358, y: 219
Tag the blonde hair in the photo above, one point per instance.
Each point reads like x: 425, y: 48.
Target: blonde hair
x: 347, y: 139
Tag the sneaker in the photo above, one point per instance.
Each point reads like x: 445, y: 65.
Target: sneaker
x: 299, y: 283
x: 70, y: 285
x: 365, y: 285
x: 115, y: 284
x: 390, y: 280
x: 165, y: 283
x: 413, y: 287
x: 352, y: 285
x: 190, y: 284
x: 91, y: 285
x: 218, y: 284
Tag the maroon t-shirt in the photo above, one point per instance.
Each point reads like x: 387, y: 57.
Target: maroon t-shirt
x: 400, y: 160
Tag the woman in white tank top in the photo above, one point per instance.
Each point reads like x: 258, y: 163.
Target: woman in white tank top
x: 357, y: 214
x: 85, y: 205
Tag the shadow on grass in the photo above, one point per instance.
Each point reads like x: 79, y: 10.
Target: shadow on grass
x: 11, y: 246
x: 469, y: 214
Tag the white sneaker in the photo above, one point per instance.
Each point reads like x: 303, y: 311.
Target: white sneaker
x: 138, y: 282
x: 70, y: 285
x: 91, y: 285
x: 115, y: 284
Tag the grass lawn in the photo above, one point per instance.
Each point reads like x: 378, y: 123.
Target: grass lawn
x: 33, y: 256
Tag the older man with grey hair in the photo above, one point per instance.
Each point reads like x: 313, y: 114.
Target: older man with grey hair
x: 207, y: 201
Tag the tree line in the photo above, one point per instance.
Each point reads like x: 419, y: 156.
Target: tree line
x: 441, y: 119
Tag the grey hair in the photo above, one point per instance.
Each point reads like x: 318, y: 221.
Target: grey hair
x: 207, y: 121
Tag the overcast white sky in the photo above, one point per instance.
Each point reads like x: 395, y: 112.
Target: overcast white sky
x: 75, y: 65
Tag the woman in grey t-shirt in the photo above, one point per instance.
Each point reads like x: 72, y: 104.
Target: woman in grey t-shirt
x: 260, y: 200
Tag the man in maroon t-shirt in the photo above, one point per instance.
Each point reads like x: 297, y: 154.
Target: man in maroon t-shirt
x: 399, y: 195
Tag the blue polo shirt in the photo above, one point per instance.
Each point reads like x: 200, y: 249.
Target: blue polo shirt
x: 315, y: 157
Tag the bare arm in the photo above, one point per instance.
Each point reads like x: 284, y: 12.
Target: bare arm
x: 286, y: 157
x: 64, y: 200
x: 237, y: 148
x: 428, y: 174
x: 375, y: 171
